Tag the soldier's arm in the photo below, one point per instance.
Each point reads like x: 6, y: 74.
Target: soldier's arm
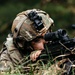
x: 9, y: 59
x: 5, y: 62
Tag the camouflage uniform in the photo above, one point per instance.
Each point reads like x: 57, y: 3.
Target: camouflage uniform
x: 9, y: 56
x: 22, y: 27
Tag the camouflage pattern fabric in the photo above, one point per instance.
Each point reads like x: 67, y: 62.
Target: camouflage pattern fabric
x: 25, y: 26
x: 11, y: 60
x: 9, y: 56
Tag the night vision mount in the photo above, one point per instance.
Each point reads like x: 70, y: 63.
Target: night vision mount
x: 37, y: 20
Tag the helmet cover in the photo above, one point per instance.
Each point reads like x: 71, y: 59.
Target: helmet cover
x: 23, y: 25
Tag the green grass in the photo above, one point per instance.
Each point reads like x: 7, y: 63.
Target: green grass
x: 37, y: 69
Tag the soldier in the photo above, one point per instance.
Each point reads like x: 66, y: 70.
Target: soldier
x: 28, y: 29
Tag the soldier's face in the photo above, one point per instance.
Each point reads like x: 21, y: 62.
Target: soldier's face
x: 38, y: 44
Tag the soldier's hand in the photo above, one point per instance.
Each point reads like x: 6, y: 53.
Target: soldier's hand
x: 34, y: 55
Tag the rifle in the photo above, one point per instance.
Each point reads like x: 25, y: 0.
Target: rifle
x: 59, y: 41
x: 60, y: 44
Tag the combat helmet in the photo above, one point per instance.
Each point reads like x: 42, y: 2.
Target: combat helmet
x: 31, y: 23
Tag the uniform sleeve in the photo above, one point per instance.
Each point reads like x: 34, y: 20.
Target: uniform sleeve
x: 9, y: 56
x: 6, y: 64
x: 9, y: 60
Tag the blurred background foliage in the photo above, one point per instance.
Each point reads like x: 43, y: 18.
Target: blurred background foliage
x: 62, y: 12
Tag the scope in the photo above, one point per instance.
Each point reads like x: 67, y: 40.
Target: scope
x: 60, y: 34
